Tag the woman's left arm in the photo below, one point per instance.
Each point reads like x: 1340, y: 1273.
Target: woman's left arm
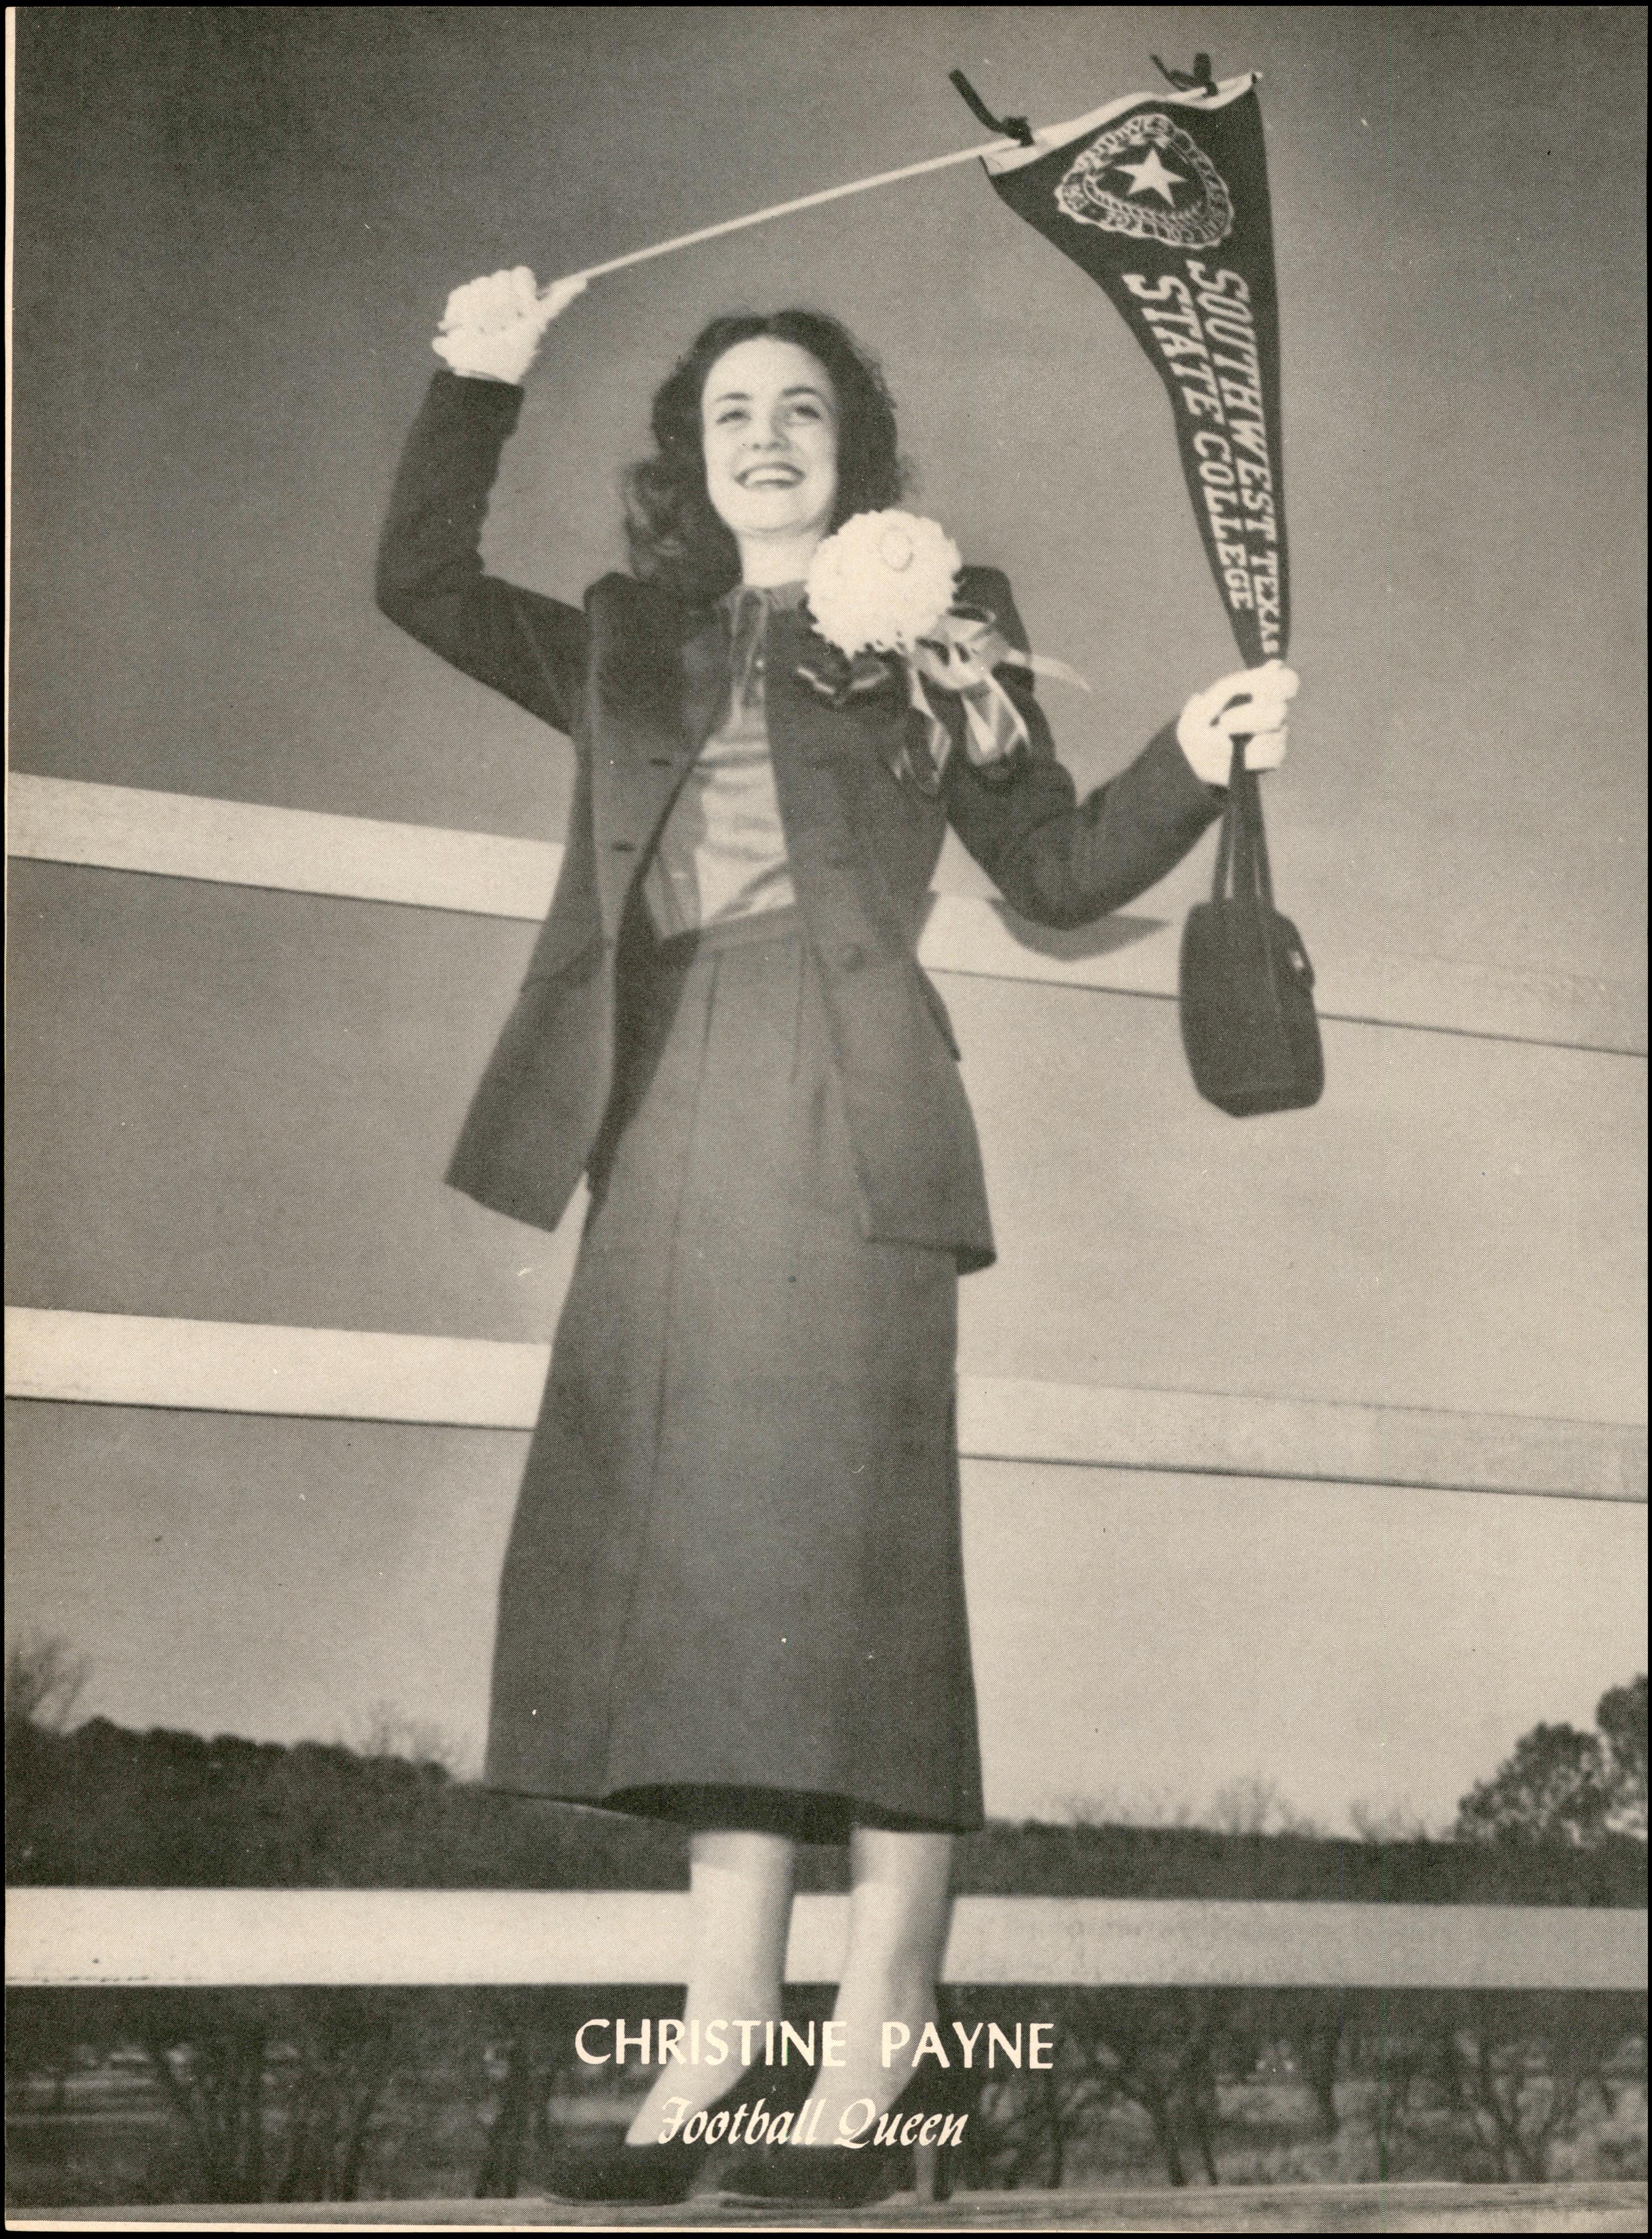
x: 1063, y: 862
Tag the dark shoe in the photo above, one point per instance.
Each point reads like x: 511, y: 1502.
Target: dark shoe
x: 854, y: 2177
x: 656, y: 2174
x: 665, y: 2174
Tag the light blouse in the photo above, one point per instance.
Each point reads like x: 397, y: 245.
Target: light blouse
x: 723, y: 852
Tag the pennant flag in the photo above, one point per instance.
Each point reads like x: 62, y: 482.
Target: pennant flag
x: 1163, y: 199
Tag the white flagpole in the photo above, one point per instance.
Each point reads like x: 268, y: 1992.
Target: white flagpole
x: 1045, y: 136
x: 784, y: 209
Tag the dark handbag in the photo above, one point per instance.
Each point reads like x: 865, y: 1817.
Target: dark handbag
x: 1248, y: 1021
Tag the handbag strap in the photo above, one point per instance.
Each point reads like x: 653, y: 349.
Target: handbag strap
x: 1256, y: 836
x: 1225, y: 837
x: 1241, y: 849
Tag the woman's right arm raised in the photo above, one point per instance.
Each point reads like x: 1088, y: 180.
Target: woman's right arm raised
x: 430, y: 579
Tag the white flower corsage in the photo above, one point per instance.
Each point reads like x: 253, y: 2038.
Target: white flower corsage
x: 884, y: 584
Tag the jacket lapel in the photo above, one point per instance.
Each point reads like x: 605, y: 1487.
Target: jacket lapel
x: 656, y: 693
x: 704, y: 674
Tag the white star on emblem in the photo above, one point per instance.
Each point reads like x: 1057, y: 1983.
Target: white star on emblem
x: 1151, y: 177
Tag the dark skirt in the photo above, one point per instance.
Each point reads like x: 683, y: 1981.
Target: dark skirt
x: 733, y: 1589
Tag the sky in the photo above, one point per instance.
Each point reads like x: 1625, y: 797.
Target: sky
x: 236, y: 231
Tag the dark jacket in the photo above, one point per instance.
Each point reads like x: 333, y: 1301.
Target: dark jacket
x: 638, y: 685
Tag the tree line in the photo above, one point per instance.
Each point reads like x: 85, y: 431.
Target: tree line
x: 104, y: 1806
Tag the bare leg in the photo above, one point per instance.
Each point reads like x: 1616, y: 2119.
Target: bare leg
x: 740, y: 1901
x: 899, y: 1911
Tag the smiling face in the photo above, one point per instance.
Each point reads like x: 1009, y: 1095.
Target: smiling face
x: 769, y: 416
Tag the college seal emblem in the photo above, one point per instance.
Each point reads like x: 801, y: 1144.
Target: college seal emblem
x: 1148, y: 179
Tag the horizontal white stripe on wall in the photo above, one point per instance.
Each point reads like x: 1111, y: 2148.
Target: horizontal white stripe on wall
x: 253, y: 1368
x: 226, y: 1938
x: 181, y: 836
x: 299, y: 851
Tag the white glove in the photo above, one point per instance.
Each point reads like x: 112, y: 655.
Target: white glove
x: 491, y: 327
x: 1253, y: 702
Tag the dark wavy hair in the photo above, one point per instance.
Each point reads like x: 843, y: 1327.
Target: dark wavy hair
x: 674, y: 532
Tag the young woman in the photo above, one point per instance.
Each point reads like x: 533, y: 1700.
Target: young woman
x: 733, y: 1593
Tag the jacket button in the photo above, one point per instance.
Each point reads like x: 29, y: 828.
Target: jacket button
x: 838, y: 859
x: 821, y: 758
x: 851, y: 956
